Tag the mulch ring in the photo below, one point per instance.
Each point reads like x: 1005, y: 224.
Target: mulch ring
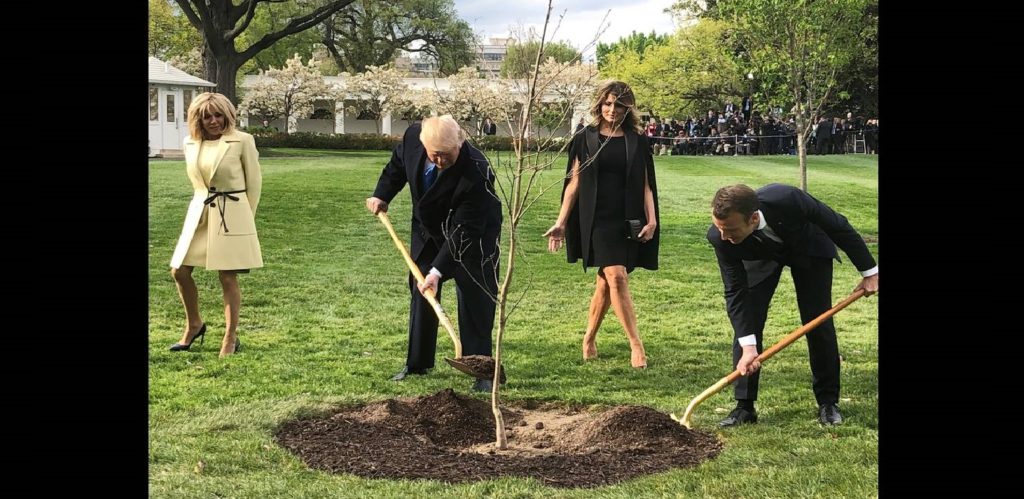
x: 450, y: 437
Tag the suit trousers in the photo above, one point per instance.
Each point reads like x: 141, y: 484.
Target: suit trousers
x: 813, y: 285
x: 476, y: 308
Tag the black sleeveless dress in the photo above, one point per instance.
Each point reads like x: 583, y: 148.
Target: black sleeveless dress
x: 608, y: 243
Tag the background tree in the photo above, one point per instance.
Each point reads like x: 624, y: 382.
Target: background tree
x: 414, y: 105
x: 289, y: 92
x: 521, y: 57
x: 473, y: 98
x: 561, y: 87
x: 271, y: 19
x: 372, y: 32
x: 858, y: 81
x: 689, y: 9
x: 811, y: 57
x: 377, y: 91
x: 191, y: 62
x: 690, y: 72
x: 634, y: 42
x: 170, y: 34
x: 804, y: 45
x: 221, y: 22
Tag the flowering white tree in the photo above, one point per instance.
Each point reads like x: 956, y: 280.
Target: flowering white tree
x: 415, y: 105
x: 557, y: 89
x: 288, y: 92
x: 473, y: 98
x: 378, y: 91
x: 190, y: 62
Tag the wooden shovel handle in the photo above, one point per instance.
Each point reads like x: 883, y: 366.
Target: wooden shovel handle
x: 767, y: 354
x: 429, y: 294
x: 802, y: 330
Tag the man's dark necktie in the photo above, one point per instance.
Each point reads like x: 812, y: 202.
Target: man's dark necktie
x: 758, y: 270
x: 429, y: 176
x: 766, y: 243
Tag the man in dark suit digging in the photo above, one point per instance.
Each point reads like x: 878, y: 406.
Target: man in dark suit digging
x: 755, y: 235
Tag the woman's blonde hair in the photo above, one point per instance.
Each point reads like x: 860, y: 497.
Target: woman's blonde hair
x: 624, y: 95
x: 209, y: 103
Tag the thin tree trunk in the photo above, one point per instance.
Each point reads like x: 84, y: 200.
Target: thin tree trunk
x: 801, y: 150
x: 499, y: 421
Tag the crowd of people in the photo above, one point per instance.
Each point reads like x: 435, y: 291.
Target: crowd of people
x: 730, y: 131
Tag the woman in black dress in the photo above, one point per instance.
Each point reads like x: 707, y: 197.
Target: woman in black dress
x: 610, y: 180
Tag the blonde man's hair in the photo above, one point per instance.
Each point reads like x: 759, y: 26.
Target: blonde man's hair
x: 210, y: 103
x: 442, y: 132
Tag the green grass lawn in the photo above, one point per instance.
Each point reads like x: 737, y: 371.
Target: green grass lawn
x: 325, y: 324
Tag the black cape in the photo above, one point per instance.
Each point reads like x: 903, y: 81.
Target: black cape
x: 581, y: 218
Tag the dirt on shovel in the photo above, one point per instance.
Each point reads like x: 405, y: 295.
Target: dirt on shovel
x: 477, y: 366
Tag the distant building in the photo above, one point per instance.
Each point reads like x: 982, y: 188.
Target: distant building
x: 170, y: 93
x: 416, y: 67
x: 489, y: 57
x: 491, y: 54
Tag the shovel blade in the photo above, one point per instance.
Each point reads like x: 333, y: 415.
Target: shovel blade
x: 477, y: 366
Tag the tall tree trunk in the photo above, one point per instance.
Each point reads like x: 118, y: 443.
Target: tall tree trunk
x: 220, y: 22
x: 209, y: 64
x: 224, y: 75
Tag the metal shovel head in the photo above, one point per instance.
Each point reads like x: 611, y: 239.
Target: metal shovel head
x: 477, y: 366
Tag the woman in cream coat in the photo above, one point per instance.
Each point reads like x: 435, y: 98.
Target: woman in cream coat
x: 220, y: 231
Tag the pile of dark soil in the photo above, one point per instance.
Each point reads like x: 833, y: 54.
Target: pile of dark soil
x: 450, y: 437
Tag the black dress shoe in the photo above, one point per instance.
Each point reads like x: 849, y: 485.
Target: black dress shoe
x: 739, y: 415
x: 829, y: 414
x: 201, y: 336
x: 483, y: 385
x: 400, y: 375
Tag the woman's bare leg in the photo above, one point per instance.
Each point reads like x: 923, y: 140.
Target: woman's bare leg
x: 598, y: 308
x: 622, y: 302
x: 189, y: 295
x: 232, y: 302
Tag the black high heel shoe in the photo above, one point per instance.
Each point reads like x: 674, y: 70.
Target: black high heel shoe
x: 238, y: 348
x: 201, y: 336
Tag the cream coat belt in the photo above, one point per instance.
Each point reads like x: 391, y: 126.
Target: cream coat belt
x: 220, y: 207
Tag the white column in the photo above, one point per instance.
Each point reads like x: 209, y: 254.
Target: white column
x: 385, y: 126
x: 339, y: 116
x: 292, y: 124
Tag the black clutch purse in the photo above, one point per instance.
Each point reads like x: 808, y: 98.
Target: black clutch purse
x: 633, y: 228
